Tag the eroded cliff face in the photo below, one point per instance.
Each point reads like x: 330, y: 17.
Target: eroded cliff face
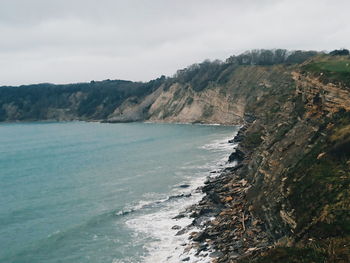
x: 209, y: 92
x: 134, y: 108
x: 287, y: 139
x: 181, y: 104
x: 220, y: 103
x: 327, y: 97
x: 297, y: 166
x: 222, y: 97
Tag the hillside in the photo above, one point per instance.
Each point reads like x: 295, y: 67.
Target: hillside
x: 82, y: 101
x: 293, y: 205
x: 209, y: 92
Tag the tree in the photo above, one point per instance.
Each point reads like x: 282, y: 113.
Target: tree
x: 340, y: 52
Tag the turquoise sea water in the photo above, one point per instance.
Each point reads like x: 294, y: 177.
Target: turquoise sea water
x: 92, y: 192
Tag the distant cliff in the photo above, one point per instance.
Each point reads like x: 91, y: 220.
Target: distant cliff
x: 209, y: 92
x: 82, y: 101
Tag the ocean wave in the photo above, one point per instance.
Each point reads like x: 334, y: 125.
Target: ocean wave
x: 163, y: 225
x: 219, y: 145
x: 142, y: 205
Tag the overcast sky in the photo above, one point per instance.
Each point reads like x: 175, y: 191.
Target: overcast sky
x: 62, y: 41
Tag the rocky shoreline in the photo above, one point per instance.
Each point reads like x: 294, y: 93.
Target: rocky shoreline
x: 228, y: 229
x: 235, y: 232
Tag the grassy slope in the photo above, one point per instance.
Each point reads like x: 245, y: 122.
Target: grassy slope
x: 331, y: 69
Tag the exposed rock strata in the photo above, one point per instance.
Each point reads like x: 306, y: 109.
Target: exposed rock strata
x: 288, y: 199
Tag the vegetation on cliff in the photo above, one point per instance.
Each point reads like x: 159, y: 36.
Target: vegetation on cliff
x: 331, y: 69
x: 81, y: 101
x: 300, y: 172
x: 117, y: 100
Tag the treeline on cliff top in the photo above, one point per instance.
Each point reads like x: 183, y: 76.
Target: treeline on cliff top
x: 98, y: 99
x: 200, y: 75
x: 32, y: 101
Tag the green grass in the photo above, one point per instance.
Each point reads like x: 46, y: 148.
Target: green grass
x: 335, y: 70
x: 333, y: 66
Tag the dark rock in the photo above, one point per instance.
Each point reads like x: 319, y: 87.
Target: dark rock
x: 238, y: 138
x: 202, y: 247
x: 233, y: 168
x: 238, y: 244
x: 238, y: 156
x: 176, y: 227
x: 214, y: 197
x: 186, y: 259
x: 200, y: 237
x: 179, y: 216
x: 250, y: 118
x: 204, y: 211
x: 184, y: 186
x: 181, y: 232
x: 179, y: 196
x: 216, y: 254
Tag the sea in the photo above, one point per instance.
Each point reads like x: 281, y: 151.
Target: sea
x: 100, y: 192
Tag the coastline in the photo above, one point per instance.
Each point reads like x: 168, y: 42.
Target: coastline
x: 172, y: 192
x: 120, y: 122
x: 174, y: 225
x: 202, y: 241
x: 223, y: 228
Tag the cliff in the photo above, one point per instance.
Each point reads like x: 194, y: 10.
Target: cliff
x: 288, y: 199
x: 93, y: 101
x: 208, y: 92
x: 220, y: 102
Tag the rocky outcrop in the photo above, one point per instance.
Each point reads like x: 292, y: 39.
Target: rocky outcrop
x: 317, y: 95
x: 134, y: 108
x: 180, y: 103
x: 211, y: 93
x: 219, y: 103
x: 288, y: 198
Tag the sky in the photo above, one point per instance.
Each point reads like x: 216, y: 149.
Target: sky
x: 66, y: 41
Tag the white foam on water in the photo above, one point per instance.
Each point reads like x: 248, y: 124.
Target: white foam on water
x: 167, y: 246
x: 163, y: 244
x: 221, y: 145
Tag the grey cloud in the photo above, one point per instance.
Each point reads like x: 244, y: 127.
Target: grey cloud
x: 75, y: 40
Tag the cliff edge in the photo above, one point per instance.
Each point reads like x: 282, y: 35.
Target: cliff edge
x: 288, y: 200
